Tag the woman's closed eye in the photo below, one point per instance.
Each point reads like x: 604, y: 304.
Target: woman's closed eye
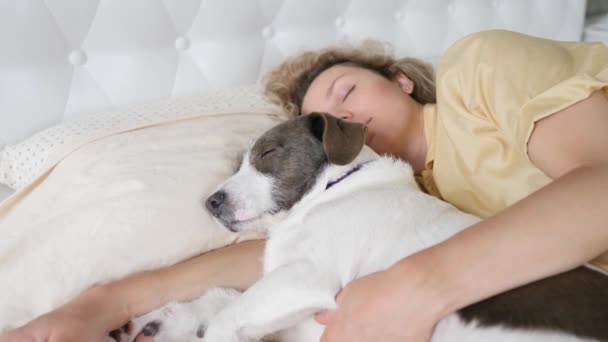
x: 350, y: 90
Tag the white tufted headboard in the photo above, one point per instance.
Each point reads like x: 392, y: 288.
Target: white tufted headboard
x: 62, y: 58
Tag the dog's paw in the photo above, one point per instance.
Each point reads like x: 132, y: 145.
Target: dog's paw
x: 178, y: 322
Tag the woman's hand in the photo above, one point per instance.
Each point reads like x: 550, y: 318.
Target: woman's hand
x: 88, y: 318
x: 57, y: 326
x: 399, y: 304
x: 95, y: 312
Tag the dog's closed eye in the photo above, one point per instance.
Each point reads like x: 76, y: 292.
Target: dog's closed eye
x: 267, y: 152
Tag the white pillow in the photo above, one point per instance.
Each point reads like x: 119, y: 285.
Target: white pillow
x: 122, y: 204
x: 22, y: 162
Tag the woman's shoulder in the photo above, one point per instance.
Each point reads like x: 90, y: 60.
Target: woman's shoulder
x: 491, y: 36
x: 483, y: 46
x: 487, y: 40
x: 515, y: 55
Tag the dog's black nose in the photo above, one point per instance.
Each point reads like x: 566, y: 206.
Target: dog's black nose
x: 215, y: 201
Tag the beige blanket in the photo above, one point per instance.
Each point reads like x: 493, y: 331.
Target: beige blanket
x: 116, y: 204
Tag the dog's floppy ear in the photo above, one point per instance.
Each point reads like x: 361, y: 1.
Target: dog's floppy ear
x: 342, y: 140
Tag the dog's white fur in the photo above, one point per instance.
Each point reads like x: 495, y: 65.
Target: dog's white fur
x: 363, y: 224
x: 251, y: 192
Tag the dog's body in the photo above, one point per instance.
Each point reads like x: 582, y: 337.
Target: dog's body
x: 341, y: 223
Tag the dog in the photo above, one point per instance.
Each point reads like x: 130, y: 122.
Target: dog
x: 334, y: 211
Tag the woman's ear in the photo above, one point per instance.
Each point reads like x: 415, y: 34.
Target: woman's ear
x: 404, y: 82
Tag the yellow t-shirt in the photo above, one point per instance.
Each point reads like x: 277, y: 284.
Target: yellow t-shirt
x: 492, y: 87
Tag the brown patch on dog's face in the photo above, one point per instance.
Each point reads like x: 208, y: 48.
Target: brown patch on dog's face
x: 294, y: 152
x: 281, y: 167
x: 292, y: 156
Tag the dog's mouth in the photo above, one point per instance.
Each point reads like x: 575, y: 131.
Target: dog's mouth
x: 237, y: 226
x: 234, y: 225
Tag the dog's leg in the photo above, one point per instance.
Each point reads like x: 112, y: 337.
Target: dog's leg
x: 278, y: 301
x: 178, y: 321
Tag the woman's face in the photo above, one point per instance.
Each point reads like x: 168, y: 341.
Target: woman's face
x: 361, y: 95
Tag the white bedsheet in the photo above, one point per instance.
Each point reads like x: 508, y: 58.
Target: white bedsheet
x: 125, y: 203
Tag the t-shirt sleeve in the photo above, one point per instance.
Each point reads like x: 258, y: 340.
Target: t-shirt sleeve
x: 509, y: 81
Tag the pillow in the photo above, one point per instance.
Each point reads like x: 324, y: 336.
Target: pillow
x: 121, y: 204
x: 20, y: 163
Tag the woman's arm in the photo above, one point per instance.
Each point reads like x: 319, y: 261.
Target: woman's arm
x: 237, y: 266
x: 557, y: 228
x: 101, y: 309
x: 561, y: 226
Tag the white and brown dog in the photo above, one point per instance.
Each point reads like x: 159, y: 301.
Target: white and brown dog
x: 335, y: 212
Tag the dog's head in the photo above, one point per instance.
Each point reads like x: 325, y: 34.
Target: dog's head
x: 281, y: 167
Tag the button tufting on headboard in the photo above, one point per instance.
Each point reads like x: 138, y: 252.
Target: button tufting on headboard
x: 66, y: 58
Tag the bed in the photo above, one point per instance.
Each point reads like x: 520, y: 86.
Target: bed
x: 85, y: 82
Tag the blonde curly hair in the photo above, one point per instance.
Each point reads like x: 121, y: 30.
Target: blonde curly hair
x: 287, y: 84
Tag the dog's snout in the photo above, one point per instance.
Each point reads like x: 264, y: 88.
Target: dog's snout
x: 215, y: 201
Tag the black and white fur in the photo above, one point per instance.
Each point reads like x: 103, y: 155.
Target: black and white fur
x: 320, y: 239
